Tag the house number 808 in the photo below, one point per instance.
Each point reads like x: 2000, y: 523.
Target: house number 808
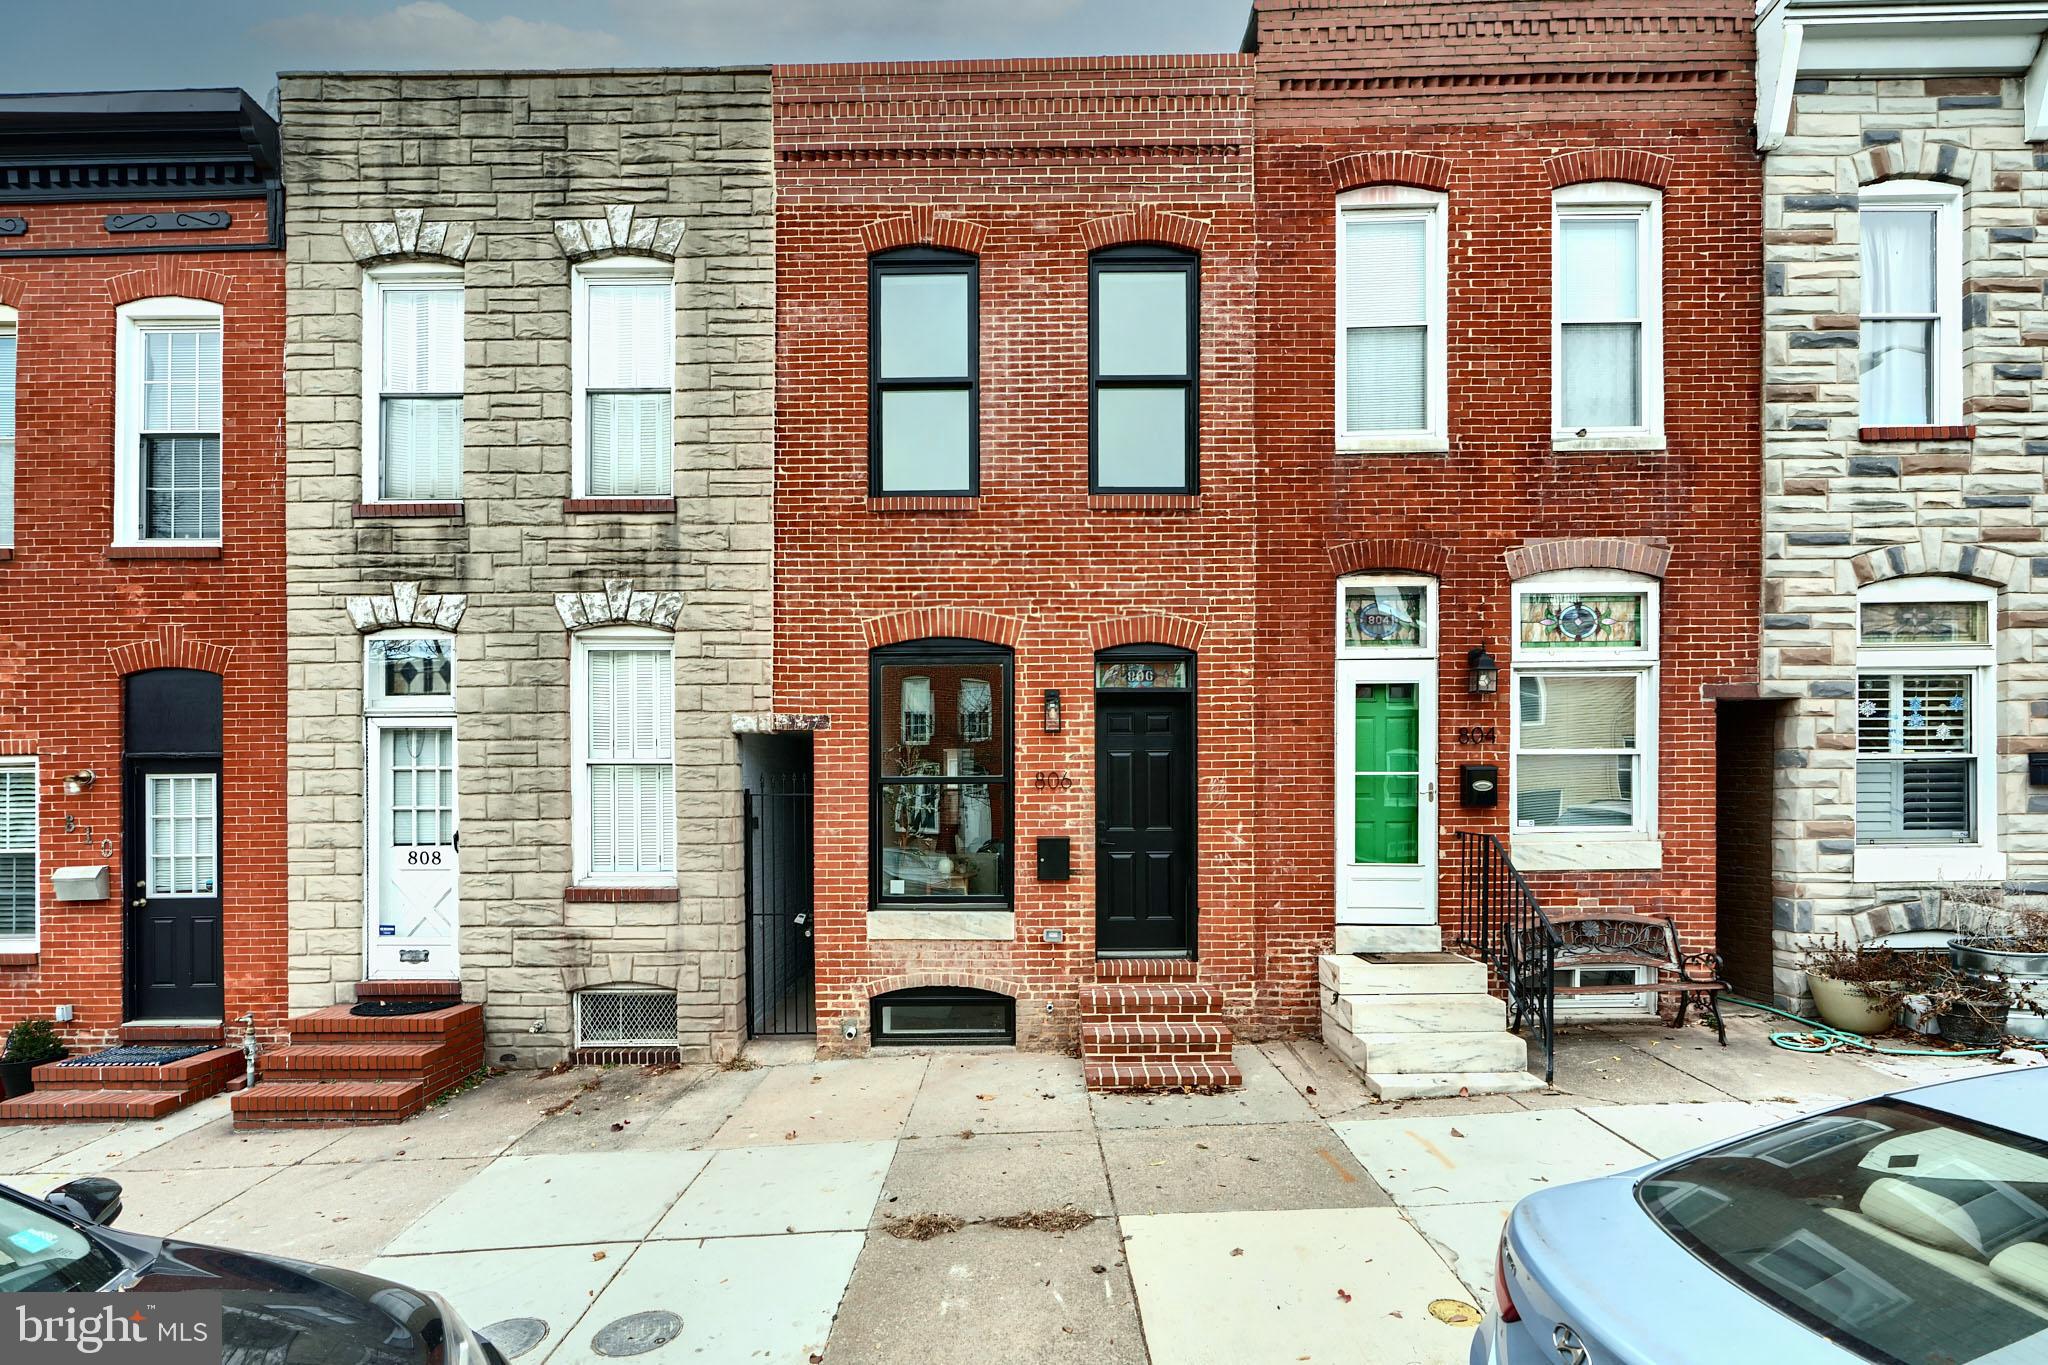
x: 423, y: 857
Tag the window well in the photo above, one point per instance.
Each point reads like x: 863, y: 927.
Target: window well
x: 940, y: 1015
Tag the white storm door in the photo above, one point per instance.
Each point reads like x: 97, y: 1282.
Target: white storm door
x: 415, y: 854
x: 1386, y: 793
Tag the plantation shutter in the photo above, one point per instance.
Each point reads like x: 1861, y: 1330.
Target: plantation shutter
x: 7, y: 344
x: 1915, y: 765
x: 631, y: 756
x: 17, y: 853
x: 422, y: 344
x: 630, y: 377
x: 1386, y: 323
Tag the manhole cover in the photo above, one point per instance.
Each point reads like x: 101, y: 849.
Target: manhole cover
x: 637, y: 1334
x: 516, y: 1336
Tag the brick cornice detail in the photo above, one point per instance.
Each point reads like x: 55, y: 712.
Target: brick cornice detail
x: 1409, y: 556
x: 1631, y: 164
x: 963, y: 623
x: 1943, y: 559
x: 171, y: 648
x: 168, y: 279
x: 1423, y: 171
x: 1147, y: 224
x: 1650, y: 557
x: 1151, y: 628
x: 923, y: 226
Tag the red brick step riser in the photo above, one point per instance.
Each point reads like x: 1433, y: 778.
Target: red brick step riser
x: 203, y: 1075
x: 64, y: 1106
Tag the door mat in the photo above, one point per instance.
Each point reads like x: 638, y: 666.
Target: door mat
x: 384, y: 1009
x: 141, y: 1054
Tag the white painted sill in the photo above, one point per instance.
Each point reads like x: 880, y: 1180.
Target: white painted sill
x: 1643, y: 442
x: 1900, y: 863
x: 1393, y: 445
x: 1567, y: 853
x: 942, y: 925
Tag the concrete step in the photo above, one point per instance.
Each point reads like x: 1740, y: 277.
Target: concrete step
x: 200, y: 1075
x: 1166, y: 1002
x: 1470, y: 1013
x: 1389, y: 938
x: 323, y: 1104
x: 1420, y: 1085
x: 353, y: 1061
x: 1162, y: 1075
x: 1163, y: 1042
x: 64, y: 1106
x: 1401, y: 974
x: 1387, y: 1053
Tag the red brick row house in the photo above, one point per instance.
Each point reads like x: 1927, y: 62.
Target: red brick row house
x: 142, y: 785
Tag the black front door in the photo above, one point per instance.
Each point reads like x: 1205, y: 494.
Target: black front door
x: 172, y: 845
x: 1145, y: 826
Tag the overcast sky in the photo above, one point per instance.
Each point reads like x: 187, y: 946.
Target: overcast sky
x: 119, y: 44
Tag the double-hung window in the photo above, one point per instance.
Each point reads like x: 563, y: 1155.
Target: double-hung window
x: 1585, y: 712
x: 923, y: 368
x: 624, y: 428
x: 17, y: 854
x: 941, y: 775
x: 167, y: 472
x: 1911, y: 345
x: 623, y: 710
x: 1607, y: 306
x: 8, y: 348
x: 1925, y: 734
x: 1144, y: 362
x: 1390, y: 319
x: 412, y: 400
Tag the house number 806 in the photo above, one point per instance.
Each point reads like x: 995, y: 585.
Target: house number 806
x: 1052, y: 781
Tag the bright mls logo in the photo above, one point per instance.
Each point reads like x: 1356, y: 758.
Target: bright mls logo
x: 110, y: 1329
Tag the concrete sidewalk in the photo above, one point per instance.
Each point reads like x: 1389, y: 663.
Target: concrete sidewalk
x: 1292, y: 1220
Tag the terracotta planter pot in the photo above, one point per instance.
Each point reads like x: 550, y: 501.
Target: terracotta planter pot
x: 1846, y: 1006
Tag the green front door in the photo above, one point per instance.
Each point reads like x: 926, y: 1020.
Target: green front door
x: 1386, y: 773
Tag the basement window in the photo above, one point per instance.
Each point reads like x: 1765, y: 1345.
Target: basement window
x: 940, y: 1016
x: 625, y: 1018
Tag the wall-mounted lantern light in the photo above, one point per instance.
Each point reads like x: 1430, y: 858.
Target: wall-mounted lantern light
x: 76, y: 784
x: 1482, y: 672
x: 1052, y: 711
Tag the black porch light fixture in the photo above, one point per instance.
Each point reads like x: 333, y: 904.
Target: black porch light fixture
x: 1482, y: 672
x: 1052, y: 711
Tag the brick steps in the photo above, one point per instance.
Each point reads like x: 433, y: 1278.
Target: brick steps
x: 1150, y: 1024
x: 328, y: 1104
x: 76, y: 1093
x: 351, y: 1061
x: 74, y: 1106
x: 343, y: 1069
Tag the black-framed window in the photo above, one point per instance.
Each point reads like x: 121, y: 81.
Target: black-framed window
x: 941, y: 765
x: 924, y: 370
x: 1144, y: 325
x: 931, y: 1016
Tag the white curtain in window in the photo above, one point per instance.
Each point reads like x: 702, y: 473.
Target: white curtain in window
x: 422, y: 343
x: 918, y: 712
x: 17, y: 852
x: 631, y: 753
x: 1386, y: 322
x: 7, y: 345
x: 629, y: 379
x: 1600, y: 329
x: 630, y: 325
x: 1899, y: 312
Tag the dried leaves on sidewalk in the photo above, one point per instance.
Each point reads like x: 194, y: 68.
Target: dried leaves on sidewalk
x: 922, y: 1227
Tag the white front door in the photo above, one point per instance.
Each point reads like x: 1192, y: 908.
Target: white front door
x: 414, y: 851
x: 1386, y: 793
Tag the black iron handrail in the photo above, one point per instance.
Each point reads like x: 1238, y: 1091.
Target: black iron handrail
x: 1503, y: 924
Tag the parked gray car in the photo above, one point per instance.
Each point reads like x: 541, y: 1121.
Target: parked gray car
x: 1910, y: 1229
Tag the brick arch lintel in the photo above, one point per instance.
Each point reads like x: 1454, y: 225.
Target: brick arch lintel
x: 923, y: 226
x: 168, y: 279
x: 1151, y: 628
x: 1409, y: 556
x: 906, y: 981
x: 12, y: 292
x: 1649, y: 557
x: 1944, y: 559
x: 1148, y: 223
x: 1631, y: 164
x: 923, y: 623
x: 171, y: 648
x: 1418, y: 169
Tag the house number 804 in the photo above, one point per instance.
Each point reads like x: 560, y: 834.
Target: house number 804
x: 1476, y: 734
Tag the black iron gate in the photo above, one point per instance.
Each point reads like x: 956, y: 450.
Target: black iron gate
x: 780, y: 979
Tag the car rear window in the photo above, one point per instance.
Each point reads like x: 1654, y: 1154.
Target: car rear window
x: 1900, y: 1233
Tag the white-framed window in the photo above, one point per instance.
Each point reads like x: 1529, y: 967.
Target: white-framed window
x: 623, y: 719
x: 167, y: 421
x: 1616, y: 1004
x: 1391, y: 387
x: 18, y: 854
x: 412, y: 383
x: 409, y: 671
x: 1911, y: 356
x: 9, y: 337
x: 622, y: 428
x: 1383, y: 615
x: 1585, y: 683
x: 919, y: 714
x: 1926, y: 729
x: 977, y: 709
x: 1607, y: 316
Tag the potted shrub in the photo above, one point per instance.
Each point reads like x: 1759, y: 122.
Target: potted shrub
x: 30, y: 1043
x: 2018, y: 956
x: 1855, y: 989
x: 1972, y: 1008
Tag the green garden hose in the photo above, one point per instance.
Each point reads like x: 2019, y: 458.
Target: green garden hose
x: 1821, y: 1038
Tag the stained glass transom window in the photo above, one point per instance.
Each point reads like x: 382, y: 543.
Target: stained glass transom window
x: 1383, y: 617
x: 1566, y: 620
x: 415, y: 668
x: 1926, y: 623
x: 1139, y: 673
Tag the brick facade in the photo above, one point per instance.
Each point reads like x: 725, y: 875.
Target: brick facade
x: 79, y: 615
x: 511, y: 179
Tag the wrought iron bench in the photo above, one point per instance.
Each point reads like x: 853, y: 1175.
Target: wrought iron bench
x: 1622, y: 938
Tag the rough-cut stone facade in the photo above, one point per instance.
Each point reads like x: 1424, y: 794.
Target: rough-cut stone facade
x: 1843, y: 508
x: 513, y: 179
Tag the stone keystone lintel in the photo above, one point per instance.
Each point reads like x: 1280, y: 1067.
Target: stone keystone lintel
x: 407, y: 606
x: 618, y: 605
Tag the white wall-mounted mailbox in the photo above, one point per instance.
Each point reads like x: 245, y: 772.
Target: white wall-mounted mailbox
x: 80, y: 883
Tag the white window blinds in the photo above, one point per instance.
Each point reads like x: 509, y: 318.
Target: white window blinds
x: 421, y: 340
x: 629, y: 382
x: 17, y: 853
x: 1599, y: 307
x: 1386, y: 322
x: 7, y: 348
x: 630, y: 755
x: 1915, y: 758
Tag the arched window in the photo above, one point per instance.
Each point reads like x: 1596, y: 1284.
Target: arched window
x: 622, y: 428
x: 1144, y: 316
x: 929, y: 1016
x: 942, y: 751
x: 923, y: 372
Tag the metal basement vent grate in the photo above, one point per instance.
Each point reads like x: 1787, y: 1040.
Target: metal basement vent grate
x: 625, y: 1018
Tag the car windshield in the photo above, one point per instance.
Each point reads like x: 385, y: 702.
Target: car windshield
x: 1902, y: 1234
x: 43, y: 1254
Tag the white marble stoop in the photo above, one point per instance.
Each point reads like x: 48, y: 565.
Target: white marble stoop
x: 1420, y: 1023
